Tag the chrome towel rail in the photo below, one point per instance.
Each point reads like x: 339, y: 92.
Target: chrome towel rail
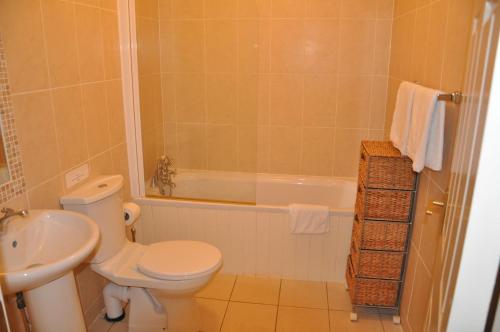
x: 455, y: 97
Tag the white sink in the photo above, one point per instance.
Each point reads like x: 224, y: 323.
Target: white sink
x: 43, y: 246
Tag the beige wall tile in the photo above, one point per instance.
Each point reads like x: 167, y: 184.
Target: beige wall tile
x: 168, y: 97
x: 60, y: 32
x: 112, y: 66
x: 221, y: 9
x: 421, y: 37
x: 192, y: 146
x: 247, y: 148
x: 288, y: 46
x: 70, y: 126
x: 188, y: 46
x: 354, y: 101
x: 150, y: 101
x: 402, y: 46
x: 147, y: 8
x: 286, y: 99
x: 317, y: 152
x: 284, y: 149
x: 187, y: 8
x: 402, y: 7
x: 170, y: 136
x: 359, y: 9
x: 21, y: 27
x: 167, y: 46
x: 148, y: 46
x: 221, y: 45
x: 96, y: 117
x: 190, y: 97
x: 254, y: 8
x: 323, y: 8
x: 115, y: 112
x: 321, y: 45
x: 385, y: 9
x: 89, y: 41
x: 253, y: 46
x: 120, y: 166
x: 320, y: 100
x: 346, y: 156
x: 37, y: 137
x: 288, y: 8
x: 46, y: 195
x: 357, y: 40
x: 101, y: 164
x: 378, y: 102
x: 420, y: 297
x: 165, y: 9
x: 222, y: 98
x: 253, y: 99
x: 222, y: 147
x: 382, y: 47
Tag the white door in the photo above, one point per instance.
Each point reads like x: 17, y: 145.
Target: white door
x: 470, y: 251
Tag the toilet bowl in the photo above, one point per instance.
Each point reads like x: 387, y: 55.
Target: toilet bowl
x: 150, y: 277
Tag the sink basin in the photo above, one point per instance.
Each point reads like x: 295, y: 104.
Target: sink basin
x: 43, y: 246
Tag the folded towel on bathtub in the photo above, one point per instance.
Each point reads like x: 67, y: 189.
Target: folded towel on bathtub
x: 309, y: 219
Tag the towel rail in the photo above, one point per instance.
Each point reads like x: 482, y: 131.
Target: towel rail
x: 455, y: 97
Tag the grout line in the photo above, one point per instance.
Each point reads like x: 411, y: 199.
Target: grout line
x: 278, y: 306
x: 227, y: 304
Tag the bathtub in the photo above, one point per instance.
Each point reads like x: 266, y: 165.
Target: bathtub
x: 253, y: 234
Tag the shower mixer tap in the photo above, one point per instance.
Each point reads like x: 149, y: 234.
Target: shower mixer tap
x: 163, y: 177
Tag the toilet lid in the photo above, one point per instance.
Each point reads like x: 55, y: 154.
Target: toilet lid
x: 177, y: 260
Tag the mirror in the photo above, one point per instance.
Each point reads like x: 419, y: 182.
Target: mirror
x: 11, y: 169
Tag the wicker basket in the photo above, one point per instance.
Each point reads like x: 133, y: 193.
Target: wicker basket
x: 380, y: 235
x: 382, y: 166
x: 382, y: 204
x: 374, y: 292
x: 376, y: 264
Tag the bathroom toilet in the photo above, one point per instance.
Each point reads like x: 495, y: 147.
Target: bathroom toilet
x: 150, y: 277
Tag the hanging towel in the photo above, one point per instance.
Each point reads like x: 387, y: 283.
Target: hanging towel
x: 402, y: 116
x: 309, y: 219
x: 426, y: 138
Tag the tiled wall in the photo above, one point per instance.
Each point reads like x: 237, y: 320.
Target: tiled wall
x: 150, y: 91
x: 270, y: 86
x: 64, y: 70
x: 429, y: 45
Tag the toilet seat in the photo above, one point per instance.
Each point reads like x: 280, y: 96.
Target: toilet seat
x: 179, y: 260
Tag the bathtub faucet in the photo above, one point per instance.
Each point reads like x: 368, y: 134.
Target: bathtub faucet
x: 164, y: 174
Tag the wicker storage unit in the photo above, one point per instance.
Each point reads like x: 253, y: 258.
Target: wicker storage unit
x: 382, y: 166
x: 384, y: 204
x: 372, y: 292
x: 382, y: 227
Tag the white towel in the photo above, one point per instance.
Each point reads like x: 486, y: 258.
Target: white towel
x: 426, y: 138
x: 402, y: 115
x: 309, y: 219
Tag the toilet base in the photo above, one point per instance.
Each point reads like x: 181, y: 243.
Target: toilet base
x: 146, y: 313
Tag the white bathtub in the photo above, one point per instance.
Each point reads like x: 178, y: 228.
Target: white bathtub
x: 255, y: 238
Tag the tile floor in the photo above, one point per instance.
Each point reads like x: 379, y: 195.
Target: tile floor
x: 247, y: 304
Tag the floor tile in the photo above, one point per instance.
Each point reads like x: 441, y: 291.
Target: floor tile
x: 306, y: 294
x: 292, y: 319
x: 100, y: 325
x: 219, y: 288
x: 196, y: 315
x: 388, y: 325
x: 338, y: 297
x: 249, y: 317
x: 340, y: 322
x: 256, y: 290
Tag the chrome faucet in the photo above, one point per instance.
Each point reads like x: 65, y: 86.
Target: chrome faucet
x: 8, y: 213
x: 163, y: 177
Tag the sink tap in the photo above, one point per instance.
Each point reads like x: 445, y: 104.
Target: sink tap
x: 9, y: 213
